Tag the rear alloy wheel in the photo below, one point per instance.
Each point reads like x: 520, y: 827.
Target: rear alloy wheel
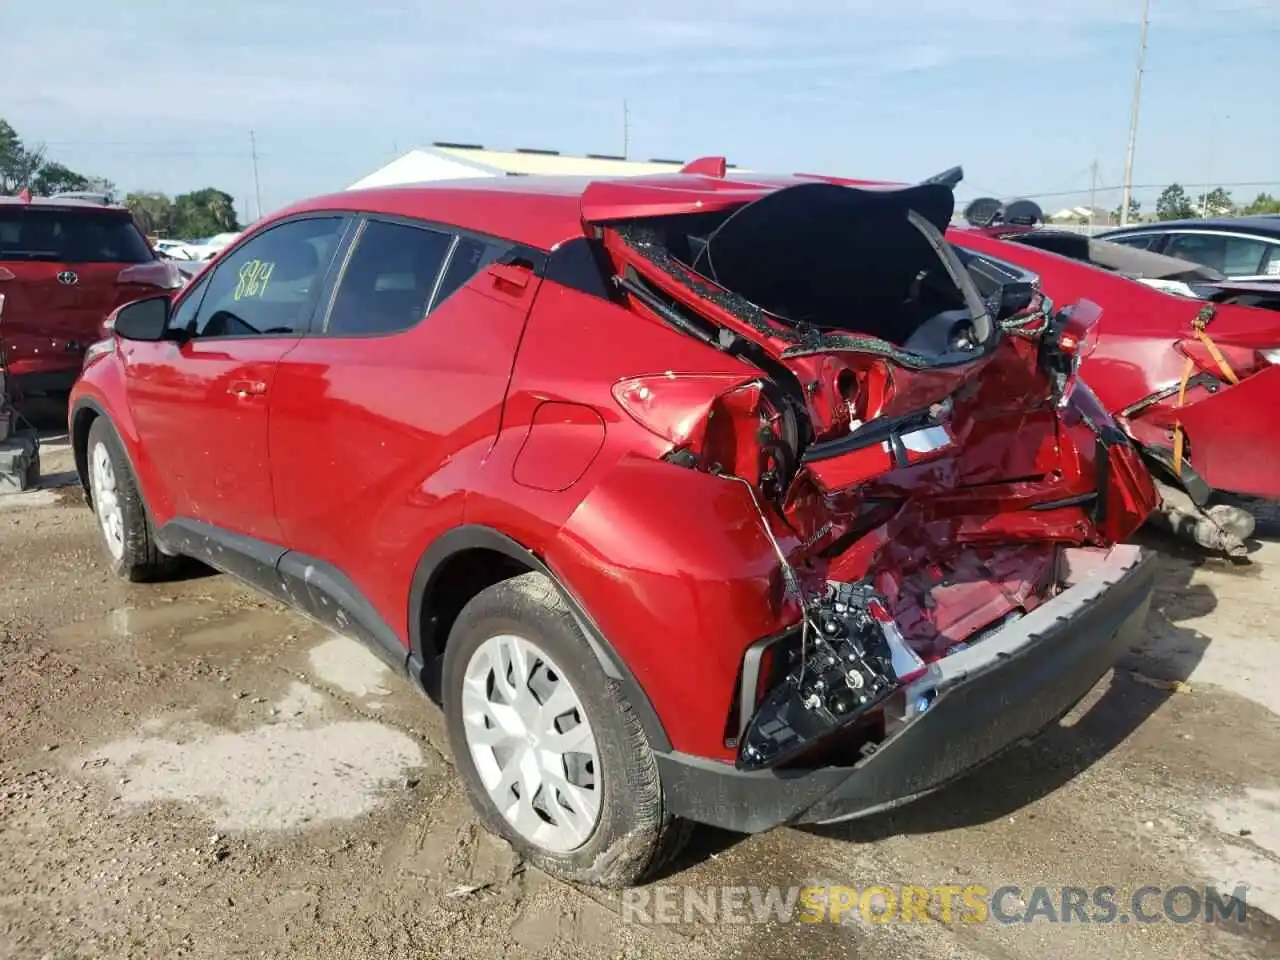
x: 531, y: 743
x: 117, y: 503
x: 552, y: 754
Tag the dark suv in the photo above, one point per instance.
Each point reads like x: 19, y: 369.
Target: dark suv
x: 65, y: 263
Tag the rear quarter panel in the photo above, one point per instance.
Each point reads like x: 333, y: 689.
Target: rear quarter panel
x: 671, y: 564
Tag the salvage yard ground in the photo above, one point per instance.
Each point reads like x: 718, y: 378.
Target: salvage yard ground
x: 189, y: 770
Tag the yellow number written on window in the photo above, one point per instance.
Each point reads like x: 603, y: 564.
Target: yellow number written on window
x: 254, y: 277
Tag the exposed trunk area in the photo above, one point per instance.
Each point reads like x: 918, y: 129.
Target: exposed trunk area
x: 919, y: 452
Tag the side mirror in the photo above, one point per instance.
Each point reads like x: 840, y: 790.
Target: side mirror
x: 145, y: 319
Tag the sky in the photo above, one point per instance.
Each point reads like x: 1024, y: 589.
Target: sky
x: 1025, y: 94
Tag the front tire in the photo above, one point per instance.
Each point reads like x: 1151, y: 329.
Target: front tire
x: 127, y: 537
x: 552, y: 755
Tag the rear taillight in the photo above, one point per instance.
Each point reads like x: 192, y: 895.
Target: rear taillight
x: 158, y: 273
x: 1072, y: 337
x: 675, y: 406
x: 721, y: 423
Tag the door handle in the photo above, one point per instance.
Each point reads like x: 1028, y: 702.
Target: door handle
x: 510, y: 274
x: 247, y: 388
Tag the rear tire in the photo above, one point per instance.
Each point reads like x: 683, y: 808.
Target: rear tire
x: 127, y: 536
x: 592, y: 808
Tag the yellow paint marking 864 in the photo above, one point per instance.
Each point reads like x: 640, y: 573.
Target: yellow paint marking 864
x: 254, y: 277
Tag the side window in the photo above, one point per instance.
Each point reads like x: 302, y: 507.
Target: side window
x: 1272, y: 267
x: 469, y: 258
x: 266, y: 287
x: 1245, y: 257
x: 1233, y: 256
x: 1142, y: 241
x: 388, y: 281
x: 184, y: 317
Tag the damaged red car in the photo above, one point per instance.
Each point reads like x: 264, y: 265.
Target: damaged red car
x: 691, y: 499
x: 1186, y: 360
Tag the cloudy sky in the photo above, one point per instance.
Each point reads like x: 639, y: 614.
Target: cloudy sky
x: 1026, y: 94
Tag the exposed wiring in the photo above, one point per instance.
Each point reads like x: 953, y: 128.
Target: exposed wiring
x: 789, y: 575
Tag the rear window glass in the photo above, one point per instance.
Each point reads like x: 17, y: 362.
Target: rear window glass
x: 70, y: 236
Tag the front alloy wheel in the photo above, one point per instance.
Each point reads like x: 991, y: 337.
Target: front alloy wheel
x: 106, y: 499
x: 131, y: 547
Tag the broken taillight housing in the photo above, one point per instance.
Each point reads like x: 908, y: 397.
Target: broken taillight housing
x: 157, y: 273
x: 851, y: 658
x: 675, y: 406
x: 723, y: 423
x: 1073, y: 337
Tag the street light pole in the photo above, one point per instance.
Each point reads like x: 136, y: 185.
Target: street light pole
x: 1126, y: 197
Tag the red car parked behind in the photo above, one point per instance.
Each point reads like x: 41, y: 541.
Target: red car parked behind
x: 65, y: 263
x: 1193, y: 380
x: 743, y: 502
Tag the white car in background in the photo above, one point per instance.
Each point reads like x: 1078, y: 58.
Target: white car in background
x: 174, y: 249
x: 207, y: 247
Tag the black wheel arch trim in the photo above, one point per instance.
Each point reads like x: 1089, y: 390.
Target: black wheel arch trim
x: 82, y: 460
x: 425, y: 644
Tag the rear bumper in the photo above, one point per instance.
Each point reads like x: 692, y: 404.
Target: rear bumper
x: 989, y: 697
x: 1234, y: 443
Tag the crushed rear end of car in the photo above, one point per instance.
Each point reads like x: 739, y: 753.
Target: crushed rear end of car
x: 945, y: 497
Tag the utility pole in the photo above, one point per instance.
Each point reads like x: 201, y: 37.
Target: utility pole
x: 626, y: 130
x: 1127, y: 195
x: 1208, y: 166
x: 257, y: 186
x: 1093, y: 193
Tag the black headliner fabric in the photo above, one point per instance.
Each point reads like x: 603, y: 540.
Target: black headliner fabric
x: 831, y: 255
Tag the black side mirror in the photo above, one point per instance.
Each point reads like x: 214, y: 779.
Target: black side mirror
x: 145, y: 319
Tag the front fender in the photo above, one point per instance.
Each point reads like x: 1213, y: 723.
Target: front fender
x: 100, y: 393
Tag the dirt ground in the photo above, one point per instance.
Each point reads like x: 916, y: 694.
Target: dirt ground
x: 189, y: 770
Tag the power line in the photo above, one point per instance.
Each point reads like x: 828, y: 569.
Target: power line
x: 1142, y: 186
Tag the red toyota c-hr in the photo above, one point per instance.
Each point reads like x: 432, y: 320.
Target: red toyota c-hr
x: 690, y: 498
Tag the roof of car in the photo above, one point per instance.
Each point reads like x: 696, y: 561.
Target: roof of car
x: 544, y: 211
x: 60, y: 203
x: 1265, y: 224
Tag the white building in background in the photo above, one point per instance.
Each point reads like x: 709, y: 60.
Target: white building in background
x: 1081, y: 214
x: 457, y: 161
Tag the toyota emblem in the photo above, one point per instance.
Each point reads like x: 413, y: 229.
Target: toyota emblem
x: 68, y: 277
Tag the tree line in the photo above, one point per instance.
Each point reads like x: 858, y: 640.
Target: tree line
x: 1175, y: 203
x: 200, y: 213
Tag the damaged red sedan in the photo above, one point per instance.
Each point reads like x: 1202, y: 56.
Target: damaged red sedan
x: 1187, y: 361
x: 691, y: 499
